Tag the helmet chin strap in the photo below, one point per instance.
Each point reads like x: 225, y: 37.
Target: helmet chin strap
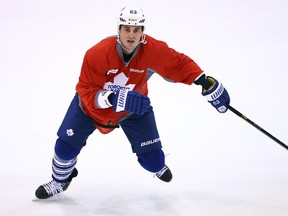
x: 123, y: 47
x: 142, y: 40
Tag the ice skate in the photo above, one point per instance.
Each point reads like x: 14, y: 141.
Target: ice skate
x: 165, y: 174
x: 52, y: 188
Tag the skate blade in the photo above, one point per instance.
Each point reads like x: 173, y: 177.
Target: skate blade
x: 56, y: 197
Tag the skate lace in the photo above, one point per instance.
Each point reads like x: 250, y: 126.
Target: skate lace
x: 53, y: 187
x: 162, y: 171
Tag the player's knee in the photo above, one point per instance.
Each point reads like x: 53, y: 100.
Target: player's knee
x: 65, y: 150
x: 152, y: 161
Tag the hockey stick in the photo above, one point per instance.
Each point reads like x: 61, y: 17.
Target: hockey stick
x: 257, y: 126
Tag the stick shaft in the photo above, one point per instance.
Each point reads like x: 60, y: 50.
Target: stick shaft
x: 257, y: 126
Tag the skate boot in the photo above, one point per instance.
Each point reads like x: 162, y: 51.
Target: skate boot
x: 52, y: 188
x: 165, y: 174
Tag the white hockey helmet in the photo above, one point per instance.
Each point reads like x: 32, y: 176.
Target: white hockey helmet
x: 132, y: 17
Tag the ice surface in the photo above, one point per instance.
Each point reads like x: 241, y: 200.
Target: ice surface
x: 221, y: 165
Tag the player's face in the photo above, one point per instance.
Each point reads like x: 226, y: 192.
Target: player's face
x: 130, y: 37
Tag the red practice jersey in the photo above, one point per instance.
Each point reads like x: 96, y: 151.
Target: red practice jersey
x: 104, y: 68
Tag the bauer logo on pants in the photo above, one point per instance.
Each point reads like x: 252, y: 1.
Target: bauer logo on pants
x: 150, y: 142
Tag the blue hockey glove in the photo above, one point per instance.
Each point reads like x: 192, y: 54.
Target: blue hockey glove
x: 217, y: 95
x: 131, y: 101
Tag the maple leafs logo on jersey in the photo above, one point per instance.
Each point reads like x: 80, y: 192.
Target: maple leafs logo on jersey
x: 120, y: 82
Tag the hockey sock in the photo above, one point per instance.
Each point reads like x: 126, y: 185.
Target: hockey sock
x: 64, y: 160
x: 62, y: 169
x: 152, y: 161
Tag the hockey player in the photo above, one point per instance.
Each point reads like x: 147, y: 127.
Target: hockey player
x: 112, y: 92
